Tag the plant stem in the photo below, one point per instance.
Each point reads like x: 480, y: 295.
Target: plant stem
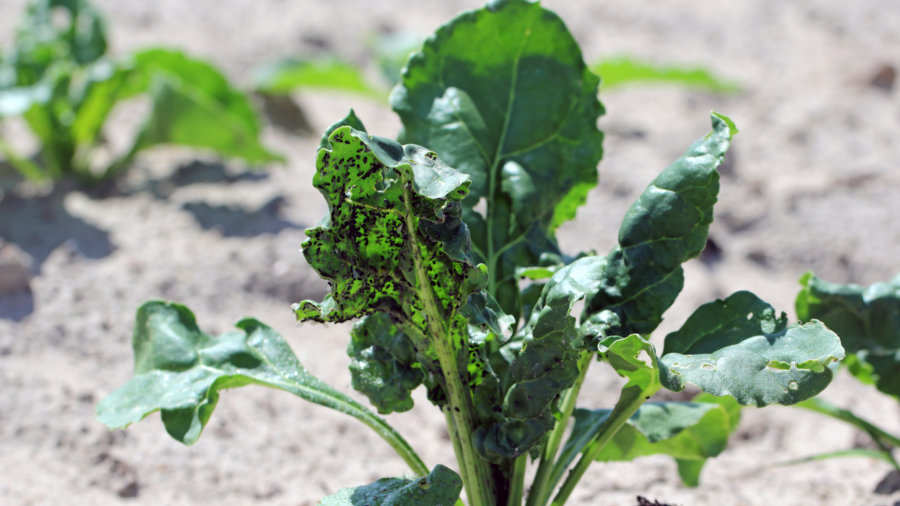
x: 478, y: 485
x: 517, y: 480
x: 26, y: 167
x: 631, y: 399
x: 539, y: 494
x: 454, y: 437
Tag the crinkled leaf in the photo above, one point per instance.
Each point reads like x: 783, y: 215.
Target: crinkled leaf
x: 867, y: 319
x: 351, y: 120
x: 383, y: 364
x: 394, y: 218
x: 780, y: 368
x: 664, y: 228
x: 623, y: 70
x: 179, y: 370
x: 290, y: 74
x: 723, y: 323
x: 441, y: 487
x: 520, y: 119
x: 546, y: 364
x: 40, y: 41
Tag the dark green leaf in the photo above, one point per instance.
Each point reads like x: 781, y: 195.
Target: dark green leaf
x: 383, y: 364
x: 867, y: 319
x: 485, y: 317
x: 664, y: 228
x: 780, y: 368
x: 546, y: 364
x: 623, y: 70
x: 724, y: 323
x: 39, y: 43
x: 520, y: 119
x: 179, y: 370
x: 439, y: 488
x: 826, y: 408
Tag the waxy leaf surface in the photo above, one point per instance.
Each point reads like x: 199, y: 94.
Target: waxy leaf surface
x: 441, y: 487
x: 738, y: 347
x: 664, y: 228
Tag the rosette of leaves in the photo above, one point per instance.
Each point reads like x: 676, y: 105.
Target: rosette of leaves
x: 63, y: 84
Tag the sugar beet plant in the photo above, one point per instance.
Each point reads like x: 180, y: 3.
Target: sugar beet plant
x: 497, y: 108
x: 60, y: 79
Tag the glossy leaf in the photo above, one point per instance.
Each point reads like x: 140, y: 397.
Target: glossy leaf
x: 780, y: 368
x: 179, y: 370
x: 546, y: 364
x: 623, y: 71
x: 664, y: 228
x: 383, y: 364
x: 867, y: 319
x: 441, y: 487
x: 502, y: 94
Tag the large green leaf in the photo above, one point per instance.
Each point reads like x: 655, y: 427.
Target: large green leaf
x: 785, y: 367
x: 623, y: 70
x: 502, y: 94
x: 867, y: 319
x: 383, y: 365
x: 664, y: 228
x: 441, y: 487
x: 723, y: 323
x: 179, y: 370
x: 545, y: 365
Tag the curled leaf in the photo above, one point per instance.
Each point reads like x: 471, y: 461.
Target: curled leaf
x: 441, y: 487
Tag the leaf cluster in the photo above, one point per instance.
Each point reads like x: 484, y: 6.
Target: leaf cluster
x: 61, y: 81
x: 442, y: 245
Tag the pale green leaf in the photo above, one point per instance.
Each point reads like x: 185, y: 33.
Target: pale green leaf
x: 622, y: 71
x: 441, y: 487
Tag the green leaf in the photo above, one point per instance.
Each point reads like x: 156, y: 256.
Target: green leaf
x: 855, y: 452
x: 383, y: 364
x: 724, y: 323
x: 664, y: 228
x: 867, y: 319
x: 826, y: 408
x: 179, y: 370
x: 182, y: 115
x: 623, y: 70
x: 351, y: 120
x: 519, y: 119
x: 39, y: 43
x: 194, y: 105
x: 545, y: 365
x: 291, y: 74
x: 486, y: 317
x: 785, y: 367
x: 439, y: 488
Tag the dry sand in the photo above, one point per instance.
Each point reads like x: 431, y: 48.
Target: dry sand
x: 812, y: 184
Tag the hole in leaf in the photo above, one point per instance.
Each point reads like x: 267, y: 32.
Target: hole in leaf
x: 750, y: 316
x: 481, y: 207
x: 776, y: 365
x: 709, y: 367
x: 793, y: 385
x: 644, y: 357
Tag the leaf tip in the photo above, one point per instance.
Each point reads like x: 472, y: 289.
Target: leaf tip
x: 732, y: 128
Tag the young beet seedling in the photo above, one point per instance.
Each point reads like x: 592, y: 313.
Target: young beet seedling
x: 507, y: 110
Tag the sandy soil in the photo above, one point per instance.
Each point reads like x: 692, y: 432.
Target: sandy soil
x: 812, y: 184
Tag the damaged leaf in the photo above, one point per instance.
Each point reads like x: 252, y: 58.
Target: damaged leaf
x: 441, y: 487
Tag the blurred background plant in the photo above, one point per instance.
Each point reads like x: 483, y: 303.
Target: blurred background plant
x: 58, y: 77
